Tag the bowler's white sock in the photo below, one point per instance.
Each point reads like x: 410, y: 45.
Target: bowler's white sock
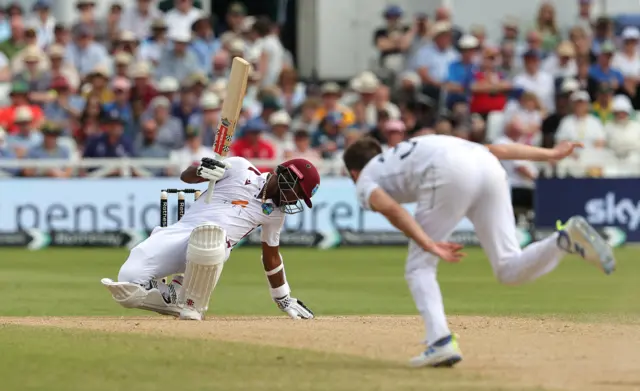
x: 426, y: 294
x: 536, y: 260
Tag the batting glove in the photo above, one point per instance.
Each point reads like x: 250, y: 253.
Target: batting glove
x: 294, y: 307
x: 211, y: 169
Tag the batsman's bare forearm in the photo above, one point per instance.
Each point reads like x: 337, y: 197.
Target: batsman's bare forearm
x: 190, y: 175
x: 398, y: 216
x: 520, y: 152
x: 272, y: 261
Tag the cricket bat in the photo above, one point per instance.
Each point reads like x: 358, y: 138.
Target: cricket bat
x: 236, y: 88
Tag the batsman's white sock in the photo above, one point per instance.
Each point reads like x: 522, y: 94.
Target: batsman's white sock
x: 536, y: 260
x: 428, y: 298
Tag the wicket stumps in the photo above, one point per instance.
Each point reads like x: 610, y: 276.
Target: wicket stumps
x: 182, y: 207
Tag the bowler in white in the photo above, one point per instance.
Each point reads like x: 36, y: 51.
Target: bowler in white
x: 450, y: 178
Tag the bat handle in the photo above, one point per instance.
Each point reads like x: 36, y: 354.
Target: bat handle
x: 212, y: 185
x: 209, y: 195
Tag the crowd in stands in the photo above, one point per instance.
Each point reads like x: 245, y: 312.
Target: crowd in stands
x: 148, y: 82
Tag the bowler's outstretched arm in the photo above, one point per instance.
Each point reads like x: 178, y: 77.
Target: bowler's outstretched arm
x: 527, y: 152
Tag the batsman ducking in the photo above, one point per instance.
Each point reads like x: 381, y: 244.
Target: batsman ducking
x: 200, y: 242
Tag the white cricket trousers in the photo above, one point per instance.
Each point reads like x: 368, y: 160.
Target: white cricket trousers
x: 470, y: 183
x: 162, y: 254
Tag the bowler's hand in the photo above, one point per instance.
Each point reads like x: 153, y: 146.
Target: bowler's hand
x: 449, y: 252
x: 564, y: 149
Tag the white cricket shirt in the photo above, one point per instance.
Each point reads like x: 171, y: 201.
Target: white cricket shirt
x: 396, y: 169
x: 236, y: 205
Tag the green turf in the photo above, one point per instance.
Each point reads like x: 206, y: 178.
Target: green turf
x: 69, y: 360
x: 343, y: 281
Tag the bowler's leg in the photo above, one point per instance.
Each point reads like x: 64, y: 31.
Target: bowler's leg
x: 492, y: 217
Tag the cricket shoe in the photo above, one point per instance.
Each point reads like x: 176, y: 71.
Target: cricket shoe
x: 444, y: 353
x: 580, y: 238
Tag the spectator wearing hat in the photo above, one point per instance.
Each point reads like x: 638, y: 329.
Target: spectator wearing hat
x: 143, y: 90
x: 58, y: 67
x: 460, y: 73
x: 180, y: 18
x: 6, y: 153
x: 432, y: 61
x: 603, y: 70
x: 331, y: 93
x: 87, y: 20
x: 125, y: 42
x: 581, y: 126
x: 17, y: 41
x: 33, y: 75
x: 168, y: 87
x: 233, y: 19
x: 392, y: 40
x: 19, y: 97
x: 197, y: 83
x: 43, y: 22
x: 601, y: 108
x: 443, y: 14
x: 147, y: 145
x: 381, y: 102
x: 603, y: 33
x: 85, y: 53
x: 302, y: 147
x: 623, y: 132
x: 547, y: 25
x: 272, y: 56
x: 510, y: 30
x: 151, y: 49
x: 329, y: 139
x: 64, y: 107
x: 177, y: 61
x: 139, y: 17
x: 25, y: 136
x: 204, y: 44
x: 121, y: 104
x: 488, y: 87
x: 98, y: 84
x: 562, y: 64
x: 551, y: 122
x: 121, y: 64
x: 50, y: 148
x: 170, y: 130
x: 536, y: 80
x: 193, y: 151
x: 280, y: 136
x: 112, y: 143
x: 394, y: 133
x: 293, y: 92
x: 251, y: 145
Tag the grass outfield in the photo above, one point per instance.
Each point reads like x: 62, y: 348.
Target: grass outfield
x: 334, y: 353
x: 334, y: 282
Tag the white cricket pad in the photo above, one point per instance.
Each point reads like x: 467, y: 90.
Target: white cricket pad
x: 206, y: 253
x: 130, y: 295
